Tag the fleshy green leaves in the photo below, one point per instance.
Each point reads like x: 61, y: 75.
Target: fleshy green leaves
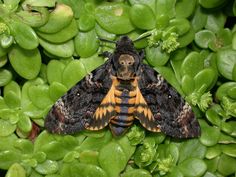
x: 114, y: 18
x: 113, y: 166
x: 139, y: 11
x: 226, y: 62
x: 26, y: 63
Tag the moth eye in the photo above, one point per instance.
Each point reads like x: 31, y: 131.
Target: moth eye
x: 122, y: 62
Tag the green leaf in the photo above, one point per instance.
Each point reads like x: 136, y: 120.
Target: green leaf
x: 229, y: 149
x: 24, y: 123
x: 73, y: 73
x: 232, y: 92
x: 186, y: 38
x: 47, y: 167
x: 39, y: 96
x: 226, y: 165
x: 42, y: 139
x: 187, y: 84
x: 61, y: 36
x: 223, y: 89
x: 165, y: 7
x: 76, y: 6
x: 213, y: 117
x: 3, y: 60
x: 150, y: 3
x: 184, y: 9
x: 24, y: 145
x: 24, y: 35
x: 59, y: 18
x: 216, y: 21
x: 210, y: 135
x: 227, y: 127
x: 86, y: 43
x: 226, y: 139
x: 199, y: 18
x: 181, y: 25
x: 9, y: 157
x: 95, y: 143
x: 14, y: 87
x: 207, y: 77
x: 6, y: 128
x: 233, y: 40
x: 213, y: 151
x: 5, y: 77
x: 89, y: 157
x: 126, y: 146
x: 34, y: 17
x: 211, y: 3
x: 80, y: 169
x: 92, y: 62
x: 54, y: 150
x: 39, y: 156
x: 144, y: 12
x: 103, y: 33
x: 56, y: 90
x: 114, y: 17
x: 204, y: 37
x: 86, y: 22
x: 192, y: 64
x: 156, y: 56
x: 192, y: 167
x: 26, y: 63
x: 212, y: 164
x: 34, y: 112
x: 175, y: 172
x: 136, y: 173
x: 191, y: 148
x: 6, y: 41
x: 7, y: 142
x: 12, y: 99
x: 16, y: 170
x: 226, y: 59
x: 54, y: 71
x: 63, y: 50
x: 47, y: 3
x: 113, y: 166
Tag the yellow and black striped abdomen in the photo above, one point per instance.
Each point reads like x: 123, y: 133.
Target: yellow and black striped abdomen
x: 124, y: 107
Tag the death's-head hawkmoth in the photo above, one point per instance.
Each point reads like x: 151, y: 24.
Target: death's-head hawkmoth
x: 120, y: 91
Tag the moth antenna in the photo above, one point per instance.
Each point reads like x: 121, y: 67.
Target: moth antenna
x: 142, y: 36
x: 106, y: 40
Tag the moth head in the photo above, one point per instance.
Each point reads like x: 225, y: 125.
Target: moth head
x: 126, y: 59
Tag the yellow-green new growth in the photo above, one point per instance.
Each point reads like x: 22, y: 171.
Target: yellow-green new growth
x: 229, y: 106
x: 170, y: 44
x: 3, y: 28
x: 203, y: 101
x: 165, y: 165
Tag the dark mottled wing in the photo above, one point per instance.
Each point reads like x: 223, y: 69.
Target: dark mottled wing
x: 170, y: 112
x: 74, y: 111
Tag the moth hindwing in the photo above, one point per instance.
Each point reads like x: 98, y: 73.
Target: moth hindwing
x: 118, y: 92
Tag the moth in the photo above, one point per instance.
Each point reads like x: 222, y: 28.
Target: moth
x: 117, y: 93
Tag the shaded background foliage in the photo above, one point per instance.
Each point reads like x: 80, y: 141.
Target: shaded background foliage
x: 47, y: 46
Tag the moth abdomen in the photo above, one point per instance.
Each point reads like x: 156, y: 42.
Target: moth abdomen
x: 125, y: 96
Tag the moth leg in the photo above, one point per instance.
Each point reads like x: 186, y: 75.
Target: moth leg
x: 105, y: 54
x: 142, y: 54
